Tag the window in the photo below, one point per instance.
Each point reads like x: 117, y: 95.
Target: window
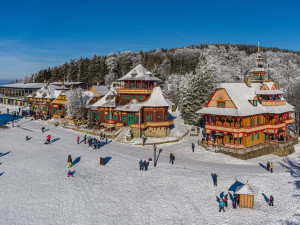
x: 258, y: 120
x: 123, y: 118
x: 252, y: 137
x: 166, y: 117
x: 127, y: 96
x: 158, y: 116
x: 140, y: 96
x: 116, y: 117
x: 97, y: 115
x: 127, y: 85
x: 134, y: 96
x: 149, y: 118
x: 257, y: 135
x: 105, y: 117
x: 255, y: 102
x: 137, y: 119
x: 252, y: 122
x: 66, y: 111
x: 133, y: 85
x: 221, y: 104
x: 110, y: 115
x: 140, y: 85
x: 146, y: 86
x: 54, y: 110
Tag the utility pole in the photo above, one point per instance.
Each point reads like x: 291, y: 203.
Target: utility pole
x: 154, y: 149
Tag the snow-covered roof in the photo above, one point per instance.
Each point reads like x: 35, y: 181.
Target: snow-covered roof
x: 157, y: 99
x: 245, y: 189
x: 108, y: 100
x: 66, y: 83
x: 101, y: 89
x: 257, y: 69
x: 24, y: 85
x: 49, y: 91
x: 240, y: 94
x: 269, y: 92
x: 139, y: 73
x: 133, y: 106
x: 88, y: 95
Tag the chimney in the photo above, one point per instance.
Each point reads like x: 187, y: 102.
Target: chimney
x: 248, y: 80
x: 277, y: 84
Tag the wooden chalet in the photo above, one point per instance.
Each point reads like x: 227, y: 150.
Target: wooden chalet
x: 240, y: 115
x: 246, y: 196
x: 135, y: 101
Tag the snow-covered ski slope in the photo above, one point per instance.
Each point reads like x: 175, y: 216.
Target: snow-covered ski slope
x: 35, y: 188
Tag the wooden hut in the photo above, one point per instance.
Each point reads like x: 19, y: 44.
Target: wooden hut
x: 246, y: 195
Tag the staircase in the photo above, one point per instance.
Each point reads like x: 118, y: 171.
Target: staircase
x: 121, y: 138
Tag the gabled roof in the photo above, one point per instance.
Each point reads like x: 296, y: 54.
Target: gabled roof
x: 133, y: 106
x: 103, y: 90
x: 257, y: 69
x: 139, y: 73
x: 157, y: 99
x: 240, y: 94
x: 66, y: 83
x: 109, y: 100
x: 49, y: 91
x: 245, y: 189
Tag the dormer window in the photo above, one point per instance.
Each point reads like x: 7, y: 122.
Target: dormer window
x: 255, y: 102
x: 134, y: 73
x: 221, y: 104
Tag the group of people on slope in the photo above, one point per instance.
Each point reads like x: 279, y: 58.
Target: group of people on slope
x: 270, y: 167
x: 144, y: 164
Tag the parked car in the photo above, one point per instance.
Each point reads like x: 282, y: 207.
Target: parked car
x: 194, y: 131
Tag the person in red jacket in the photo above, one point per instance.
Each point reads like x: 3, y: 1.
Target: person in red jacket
x: 78, y: 139
x: 70, y: 174
x: 237, y: 200
x: 271, y: 200
x: 48, y: 139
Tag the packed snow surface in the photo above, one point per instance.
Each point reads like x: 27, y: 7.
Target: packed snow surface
x: 35, y: 188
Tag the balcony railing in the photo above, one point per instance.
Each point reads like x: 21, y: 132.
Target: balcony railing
x: 273, y: 102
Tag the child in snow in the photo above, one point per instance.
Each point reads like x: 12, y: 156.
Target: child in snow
x: 271, y: 200
x: 70, y: 174
x: 48, y: 139
x: 271, y: 167
x: 69, y: 161
x: 78, y: 139
x: 221, y: 206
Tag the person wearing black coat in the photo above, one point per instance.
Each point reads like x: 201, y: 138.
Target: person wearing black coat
x: 69, y: 161
x: 215, y: 179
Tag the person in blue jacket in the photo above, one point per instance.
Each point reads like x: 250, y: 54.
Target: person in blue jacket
x: 221, y: 206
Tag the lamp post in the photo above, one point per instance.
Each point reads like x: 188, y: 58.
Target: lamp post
x: 154, y: 149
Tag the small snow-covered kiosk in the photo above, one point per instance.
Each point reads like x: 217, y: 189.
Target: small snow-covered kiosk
x: 246, y: 194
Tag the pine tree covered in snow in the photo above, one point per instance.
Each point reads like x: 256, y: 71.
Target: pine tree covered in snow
x: 195, y: 90
x: 76, y: 105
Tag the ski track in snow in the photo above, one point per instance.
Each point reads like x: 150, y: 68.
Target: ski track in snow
x: 35, y: 188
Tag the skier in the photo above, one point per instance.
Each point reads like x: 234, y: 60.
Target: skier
x: 271, y: 200
x: 193, y: 147
x: 268, y: 166
x: 172, y: 158
x: 271, y: 167
x: 69, y: 161
x: 43, y: 129
x: 145, y: 165
x: 48, y: 139
x: 215, y: 179
x: 221, y: 206
x: 84, y: 139
x: 78, y: 139
x: 141, y: 165
x: 70, y: 174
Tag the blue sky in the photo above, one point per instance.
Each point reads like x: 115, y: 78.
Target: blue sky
x: 39, y: 34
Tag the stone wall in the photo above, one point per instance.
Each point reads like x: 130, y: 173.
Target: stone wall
x: 276, y: 150
x: 152, y: 132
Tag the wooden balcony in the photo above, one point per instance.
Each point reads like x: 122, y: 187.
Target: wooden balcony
x: 134, y: 91
x: 273, y: 102
x: 152, y: 124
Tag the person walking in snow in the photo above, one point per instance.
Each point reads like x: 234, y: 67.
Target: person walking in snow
x: 106, y: 141
x: 145, y: 165
x: 141, y: 163
x: 237, y: 200
x: 7, y: 110
x: 226, y: 200
x: 69, y: 161
x: 271, y: 167
x: 221, y: 206
x: 84, y: 139
x: 172, y: 158
x: 43, y: 129
x: 78, y: 139
x: 268, y: 166
x: 271, y: 200
x: 70, y: 174
x: 215, y: 178
x: 48, y: 139
x: 193, y: 147
x: 27, y: 138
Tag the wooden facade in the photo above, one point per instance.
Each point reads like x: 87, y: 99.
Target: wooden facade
x: 246, y: 201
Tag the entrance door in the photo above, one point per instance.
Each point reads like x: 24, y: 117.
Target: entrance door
x: 130, y: 119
